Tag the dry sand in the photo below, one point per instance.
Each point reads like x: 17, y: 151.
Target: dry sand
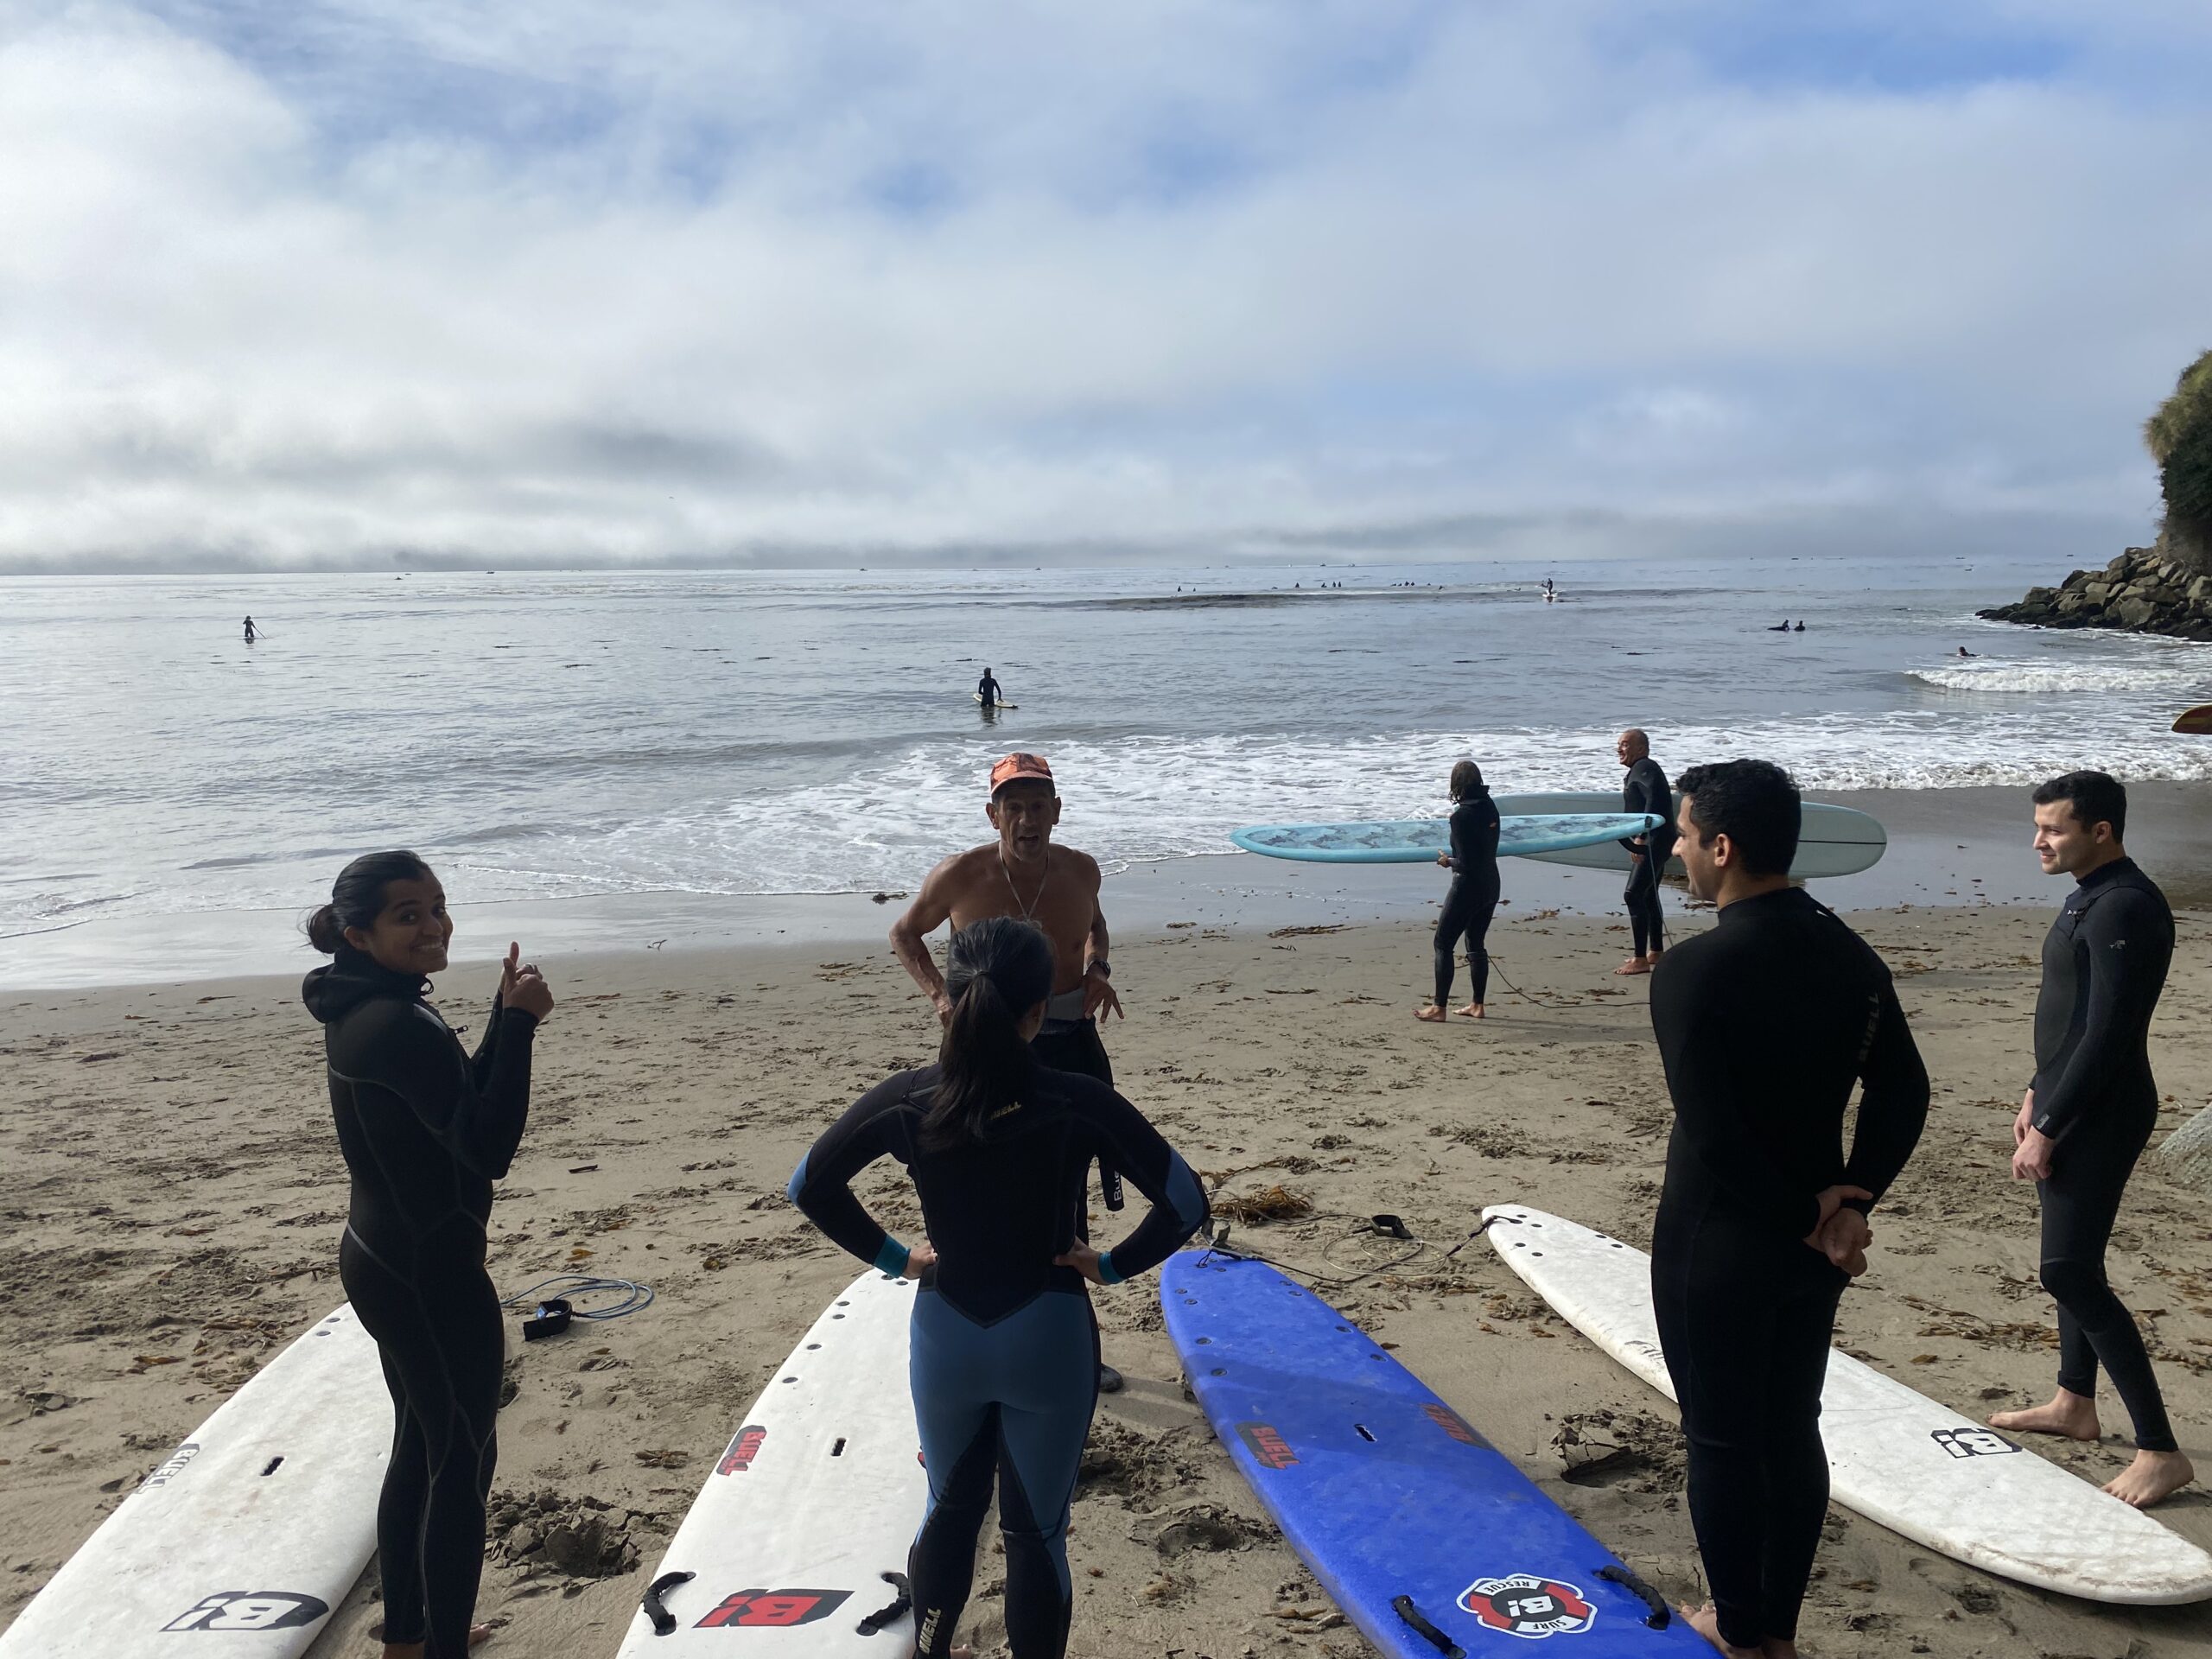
x: 173, y: 1194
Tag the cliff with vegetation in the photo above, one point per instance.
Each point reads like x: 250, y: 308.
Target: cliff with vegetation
x: 2167, y: 586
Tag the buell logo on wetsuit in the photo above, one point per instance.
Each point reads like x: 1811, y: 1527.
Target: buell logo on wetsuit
x: 1972, y: 1442
x: 250, y: 1610
x: 753, y: 1609
x: 1267, y: 1444
x: 744, y: 1446
x: 1525, y: 1605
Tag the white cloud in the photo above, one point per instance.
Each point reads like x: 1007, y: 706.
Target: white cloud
x: 704, y: 280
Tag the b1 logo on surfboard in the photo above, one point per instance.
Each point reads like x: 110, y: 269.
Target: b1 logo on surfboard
x: 250, y: 1610
x: 755, y: 1610
x: 1267, y: 1446
x: 1525, y: 1605
x: 1972, y: 1442
x: 744, y: 1446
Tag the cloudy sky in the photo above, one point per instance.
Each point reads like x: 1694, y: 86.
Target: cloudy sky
x: 707, y: 281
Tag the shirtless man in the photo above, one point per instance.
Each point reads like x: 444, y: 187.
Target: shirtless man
x: 1023, y: 874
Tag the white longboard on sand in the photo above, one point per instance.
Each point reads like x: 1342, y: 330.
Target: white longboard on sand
x: 815, y: 1499
x: 241, y: 1542
x: 1894, y: 1455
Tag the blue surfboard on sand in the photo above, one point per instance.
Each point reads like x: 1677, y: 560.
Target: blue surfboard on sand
x: 1418, y: 840
x: 1428, y: 1538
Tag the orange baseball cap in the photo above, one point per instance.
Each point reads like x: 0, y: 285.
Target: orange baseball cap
x: 1019, y: 766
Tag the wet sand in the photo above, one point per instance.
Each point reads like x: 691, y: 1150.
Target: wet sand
x: 173, y: 1195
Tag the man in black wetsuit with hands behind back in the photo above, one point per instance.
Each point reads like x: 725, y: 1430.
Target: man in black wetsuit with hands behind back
x: 1765, y: 1023
x: 2088, y: 1114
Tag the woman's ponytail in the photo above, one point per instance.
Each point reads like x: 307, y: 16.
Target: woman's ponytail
x: 996, y: 972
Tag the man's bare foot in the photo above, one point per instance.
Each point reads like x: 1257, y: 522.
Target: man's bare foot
x: 1634, y: 965
x: 1431, y: 1013
x: 2152, y: 1476
x: 478, y: 1635
x: 2073, y: 1415
x: 1472, y: 1011
x: 1706, y: 1620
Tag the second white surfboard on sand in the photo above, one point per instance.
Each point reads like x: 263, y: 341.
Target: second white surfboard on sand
x: 818, y: 1496
x: 1894, y: 1455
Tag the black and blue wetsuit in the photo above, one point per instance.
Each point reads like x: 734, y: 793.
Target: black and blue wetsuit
x: 1646, y: 789
x: 1005, y: 1355
x: 1473, y: 897
x: 2104, y: 964
x: 426, y: 1129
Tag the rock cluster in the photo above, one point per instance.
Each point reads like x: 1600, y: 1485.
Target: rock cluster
x: 579, y: 1537
x: 2139, y: 591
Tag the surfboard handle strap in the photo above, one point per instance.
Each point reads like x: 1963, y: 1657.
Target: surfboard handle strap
x: 883, y: 1616
x: 1661, y: 1615
x: 663, y: 1621
x: 1404, y: 1608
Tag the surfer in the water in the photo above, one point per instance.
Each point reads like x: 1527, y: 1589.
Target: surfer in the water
x: 1472, y: 899
x: 1023, y: 874
x: 425, y: 1129
x: 1764, y: 1023
x: 2088, y: 1112
x: 1005, y: 1349
x: 987, y: 689
x: 250, y: 635
x: 1645, y: 790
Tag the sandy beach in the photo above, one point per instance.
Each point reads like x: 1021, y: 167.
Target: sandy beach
x: 173, y: 1196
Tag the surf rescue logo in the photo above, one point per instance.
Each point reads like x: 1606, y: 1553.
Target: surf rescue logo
x: 250, y: 1610
x: 744, y: 1446
x: 1266, y: 1443
x: 755, y: 1610
x: 1525, y: 1605
x: 1972, y: 1442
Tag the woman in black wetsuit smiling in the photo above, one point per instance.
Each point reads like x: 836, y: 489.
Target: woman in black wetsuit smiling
x: 1473, y: 897
x: 1005, y: 1351
x: 426, y: 1129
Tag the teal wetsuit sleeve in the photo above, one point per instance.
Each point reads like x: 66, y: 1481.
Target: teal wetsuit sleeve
x: 474, y: 1108
x: 822, y: 1185
x: 1893, y: 1109
x: 1157, y: 1170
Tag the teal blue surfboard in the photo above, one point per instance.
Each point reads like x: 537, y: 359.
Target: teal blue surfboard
x: 1418, y: 840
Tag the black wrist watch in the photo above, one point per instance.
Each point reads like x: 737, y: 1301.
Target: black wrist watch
x: 1099, y: 965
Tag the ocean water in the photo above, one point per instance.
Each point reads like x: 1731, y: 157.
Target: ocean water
x: 544, y: 736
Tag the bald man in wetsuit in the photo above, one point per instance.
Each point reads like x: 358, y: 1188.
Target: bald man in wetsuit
x: 1024, y: 875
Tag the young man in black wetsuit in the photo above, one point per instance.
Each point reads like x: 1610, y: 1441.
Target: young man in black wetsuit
x: 987, y: 690
x: 1645, y: 790
x: 1764, y: 1024
x: 2089, y: 1112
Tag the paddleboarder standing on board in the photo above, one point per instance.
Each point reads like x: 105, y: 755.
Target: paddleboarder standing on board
x: 249, y: 634
x: 1765, y: 1022
x: 2088, y: 1112
x: 1645, y: 790
x: 1024, y: 875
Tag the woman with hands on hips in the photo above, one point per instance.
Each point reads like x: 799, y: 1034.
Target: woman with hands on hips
x: 1005, y: 1344
x: 426, y: 1127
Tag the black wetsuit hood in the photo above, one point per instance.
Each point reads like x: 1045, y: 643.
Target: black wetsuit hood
x: 355, y: 978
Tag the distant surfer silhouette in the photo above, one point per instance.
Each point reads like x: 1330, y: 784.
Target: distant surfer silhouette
x: 1782, y: 626
x: 251, y: 636
x: 987, y: 690
x: 1963, y: 652
x: 1799, y: 628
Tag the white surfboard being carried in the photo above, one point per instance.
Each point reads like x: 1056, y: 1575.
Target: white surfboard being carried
x: 246, y: 1536
x: 1894, y: 1455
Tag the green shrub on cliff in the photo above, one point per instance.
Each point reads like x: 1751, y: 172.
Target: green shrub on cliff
x: 2180, y: 437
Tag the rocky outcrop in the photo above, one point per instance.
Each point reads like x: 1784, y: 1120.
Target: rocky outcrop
x: 2141, y: 592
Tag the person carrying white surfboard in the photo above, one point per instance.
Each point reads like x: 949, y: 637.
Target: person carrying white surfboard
x: 1764, y: 1024
x: 2088, y: 1114
x: 1005, y: 1346
x: 987, y: 690
x: 425, y: 1129
x: 1023, y: 874
x: 1645, y: 790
